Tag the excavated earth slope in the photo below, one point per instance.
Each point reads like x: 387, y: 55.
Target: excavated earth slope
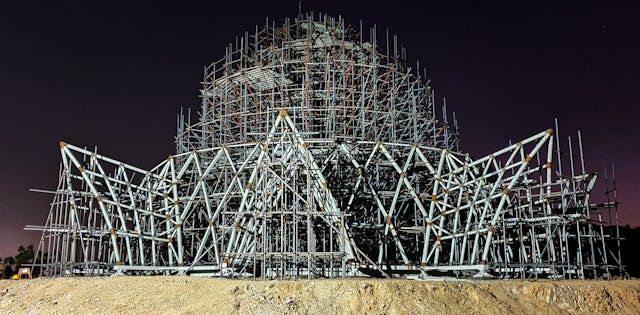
x: 188, y: 295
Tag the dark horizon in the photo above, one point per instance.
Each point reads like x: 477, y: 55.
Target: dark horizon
x: 116, y: 75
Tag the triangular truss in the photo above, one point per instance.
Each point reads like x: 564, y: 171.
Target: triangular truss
x: 289, y: 209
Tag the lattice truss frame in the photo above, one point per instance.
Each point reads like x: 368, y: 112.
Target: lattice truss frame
x: 317, y: 155
x: 435, y: 210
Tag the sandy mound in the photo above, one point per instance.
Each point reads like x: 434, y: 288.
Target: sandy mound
x: 187, y: 295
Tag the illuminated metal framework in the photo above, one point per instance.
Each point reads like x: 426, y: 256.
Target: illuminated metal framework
x: 315, y: 154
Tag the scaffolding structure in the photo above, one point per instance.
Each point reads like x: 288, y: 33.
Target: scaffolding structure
x: 316, y: 153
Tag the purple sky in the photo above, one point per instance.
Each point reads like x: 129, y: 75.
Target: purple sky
x: 116, y: 75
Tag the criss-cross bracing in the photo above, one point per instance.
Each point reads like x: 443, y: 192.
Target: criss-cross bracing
x: 315, y: 154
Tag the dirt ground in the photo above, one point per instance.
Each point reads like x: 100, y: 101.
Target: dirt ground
x: 189, y: 295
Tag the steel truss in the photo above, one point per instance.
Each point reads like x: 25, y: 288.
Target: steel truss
x: 316, y: 155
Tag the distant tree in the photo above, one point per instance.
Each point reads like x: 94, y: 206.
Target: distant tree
x: 9, y: 260
x: 8, y: 267
x: 8, y: 272
x: 630, y: 254
x: 25, y: 256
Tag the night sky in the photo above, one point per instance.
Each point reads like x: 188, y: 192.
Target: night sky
x: 116, y: 75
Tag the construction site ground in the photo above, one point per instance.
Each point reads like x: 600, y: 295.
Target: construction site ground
x: 190, y: 295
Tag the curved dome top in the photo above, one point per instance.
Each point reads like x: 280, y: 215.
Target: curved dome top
x: 334, y: 85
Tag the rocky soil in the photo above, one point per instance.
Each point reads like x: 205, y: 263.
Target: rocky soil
x: 189, y: 295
